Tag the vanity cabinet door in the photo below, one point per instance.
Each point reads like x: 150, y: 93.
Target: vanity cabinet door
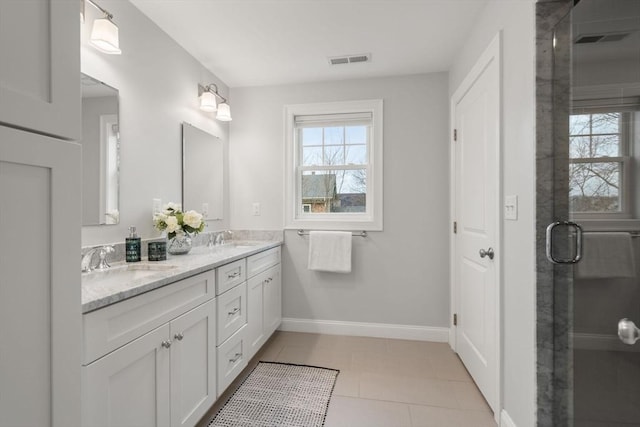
x: 40, y: 66
x: 264, y: 308
x: 255, y: 333
x: 130, y: 386
x: 193, y: 364
x: 272, y: 295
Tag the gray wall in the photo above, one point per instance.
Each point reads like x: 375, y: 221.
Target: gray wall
x: 516, y: 20
x: 158, y: 82
x: 400, y: 275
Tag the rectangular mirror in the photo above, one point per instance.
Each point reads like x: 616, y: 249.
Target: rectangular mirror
x: 202, y: 172
x: 100, y: 153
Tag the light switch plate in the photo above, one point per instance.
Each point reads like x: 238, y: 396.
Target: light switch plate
x: 511, y: 208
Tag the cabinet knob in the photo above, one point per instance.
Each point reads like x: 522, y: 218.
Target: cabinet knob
x: 179, y: 336
x: 166, y: 344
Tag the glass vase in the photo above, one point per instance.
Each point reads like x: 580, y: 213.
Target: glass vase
x: 180, y: 244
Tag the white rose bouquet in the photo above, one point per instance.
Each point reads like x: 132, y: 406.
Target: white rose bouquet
x: 174, y: 221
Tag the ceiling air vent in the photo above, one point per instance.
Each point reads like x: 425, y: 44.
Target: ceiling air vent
x: 601, y: 38
x: 350, y: 59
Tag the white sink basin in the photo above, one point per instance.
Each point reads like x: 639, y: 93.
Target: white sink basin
x: 125, y: 273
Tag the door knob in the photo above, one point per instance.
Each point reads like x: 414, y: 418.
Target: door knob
x: 489, y: 252
x: 628, y: 332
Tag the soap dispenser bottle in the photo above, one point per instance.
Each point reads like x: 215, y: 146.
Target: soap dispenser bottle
x: 133, y: 247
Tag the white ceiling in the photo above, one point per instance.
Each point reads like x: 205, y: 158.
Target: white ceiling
x: 267, y: 42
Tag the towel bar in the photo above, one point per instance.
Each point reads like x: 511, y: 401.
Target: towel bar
x: 354, y: 234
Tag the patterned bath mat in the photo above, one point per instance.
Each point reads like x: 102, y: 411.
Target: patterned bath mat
x: 279, y: 394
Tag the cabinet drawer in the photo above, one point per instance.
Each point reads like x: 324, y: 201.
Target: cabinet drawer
x: 232, y: 312
x: 231, y: 359
x: 111, y: 327
x: 260, y: 262
x: 230, y: 275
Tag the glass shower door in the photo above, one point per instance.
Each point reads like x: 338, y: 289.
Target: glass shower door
x: 596, y: 247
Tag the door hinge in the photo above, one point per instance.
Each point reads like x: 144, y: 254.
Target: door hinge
x: 455, y: 227
x: 455, y: 134
x: 455, y: 319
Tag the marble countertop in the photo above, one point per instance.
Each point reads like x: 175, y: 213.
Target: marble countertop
x: 126, y: 280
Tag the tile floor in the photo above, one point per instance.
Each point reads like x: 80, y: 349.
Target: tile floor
x: 383, y: 382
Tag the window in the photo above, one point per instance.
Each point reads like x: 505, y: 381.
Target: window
x: 599, y: 163
x: 334, y: 159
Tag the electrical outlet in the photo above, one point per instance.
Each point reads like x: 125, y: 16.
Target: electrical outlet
x: 205, y: 210
x: 157, y: 207
x: 256, y: 209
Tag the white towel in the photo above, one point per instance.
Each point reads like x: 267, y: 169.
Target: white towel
x: 330, y: 251
x: 606, y: 255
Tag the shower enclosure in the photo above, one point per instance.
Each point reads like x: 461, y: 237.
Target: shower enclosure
x: 588, y: 168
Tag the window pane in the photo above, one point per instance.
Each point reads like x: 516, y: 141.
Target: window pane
x: 334, y: 155
x: 579, y: 147
x: 579, y: 124
x: 355, y: 134
x: 605, y: 123
x: 311, y: 136
x: 356, y: 154
x: 334, y: 136
x: 318, y: 191
x: 594, y: 187
x: 352, y: 191
x: 585, y: 147
x: 311, y: 156
x: 334, y: 191
x: 605, y: 146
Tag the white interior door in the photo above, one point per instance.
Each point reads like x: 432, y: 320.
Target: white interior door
x: 476, y: 118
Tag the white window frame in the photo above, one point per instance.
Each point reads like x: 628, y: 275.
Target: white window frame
x: 625, y: 161
x: 371, y: 219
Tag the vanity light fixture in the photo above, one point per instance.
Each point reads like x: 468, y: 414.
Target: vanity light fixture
x: 104, y: 34
x: 208, y: 102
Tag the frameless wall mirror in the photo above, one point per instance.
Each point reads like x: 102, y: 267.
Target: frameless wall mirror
x: 202, y: 172
x: 100, y: 153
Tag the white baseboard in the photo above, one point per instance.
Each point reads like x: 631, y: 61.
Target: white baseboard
x: 505, y: 420
x: 377, y: 330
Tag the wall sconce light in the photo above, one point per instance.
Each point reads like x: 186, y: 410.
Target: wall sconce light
x: 104, y: 34
x: 208, y: 102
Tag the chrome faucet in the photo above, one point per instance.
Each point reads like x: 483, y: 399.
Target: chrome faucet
x: 85, y: 264
x: 102, y: 257
x: 219, y: 238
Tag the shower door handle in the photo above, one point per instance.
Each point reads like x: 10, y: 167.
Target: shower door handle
x: 578, y: 243
x: 628, y: 332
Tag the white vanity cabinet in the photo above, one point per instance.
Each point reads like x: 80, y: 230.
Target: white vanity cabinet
x: 161, y: 358
x: 264, y: 312
x: 156, y: 357
x: 40, y: 66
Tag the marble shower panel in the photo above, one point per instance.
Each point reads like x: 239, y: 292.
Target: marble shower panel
x: 552, y: 102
